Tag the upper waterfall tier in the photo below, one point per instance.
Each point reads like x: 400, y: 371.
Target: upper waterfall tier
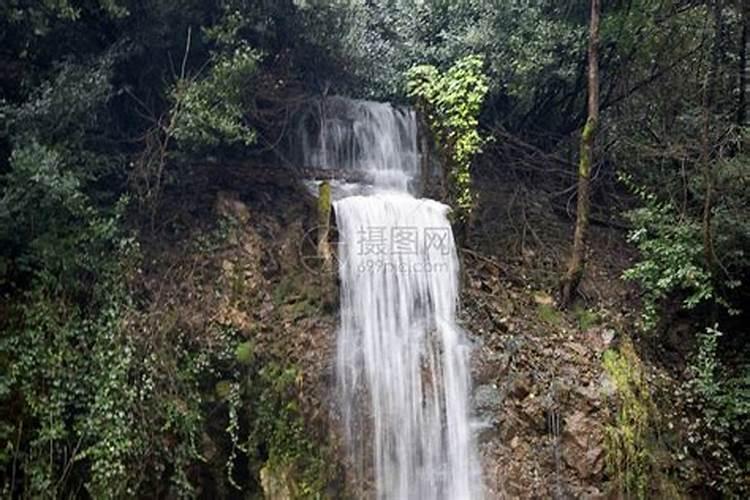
x: 375, y: 138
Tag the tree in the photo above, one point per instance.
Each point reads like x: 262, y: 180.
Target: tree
x: 574, y: 273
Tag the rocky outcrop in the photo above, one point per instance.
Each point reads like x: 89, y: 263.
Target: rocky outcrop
x: 541, y: 395
x: 583, y: 444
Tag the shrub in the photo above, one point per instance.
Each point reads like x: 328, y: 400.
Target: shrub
x: 671, y: 257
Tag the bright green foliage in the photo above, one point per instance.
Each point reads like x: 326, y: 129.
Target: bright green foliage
x: 244, y: 352
x: 66, y: 362
x: 105, y: 393
x: 549, y: 314
x: 209, y: 110
x: 629, y: 441
x: 46, y: 190
x: 451, y: 103
x: 88, y: 410
x: 705, y: 365
x: 684, y: 156
x: 43, y: 196
x: 671, y: 259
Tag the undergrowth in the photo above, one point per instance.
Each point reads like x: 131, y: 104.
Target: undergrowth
x: 105, y: 397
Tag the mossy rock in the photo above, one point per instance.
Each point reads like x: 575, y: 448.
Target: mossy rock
x: 549, y: 314
x: 223, y: 388
x: 277, y: 482
x: 244, y: 353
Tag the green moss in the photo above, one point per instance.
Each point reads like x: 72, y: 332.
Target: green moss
x: 297, y: 298
x: 549, y: 314
x: 223, y: 388
x: 629, y: 441
x: 244, y: 353
x: 586, y: 318
x: 324, y: 224
x: 324, y: 204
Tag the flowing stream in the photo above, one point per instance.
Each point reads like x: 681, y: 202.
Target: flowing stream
x: 402, y: 361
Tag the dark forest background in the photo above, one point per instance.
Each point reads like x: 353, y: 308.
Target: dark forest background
x: 111, y: 109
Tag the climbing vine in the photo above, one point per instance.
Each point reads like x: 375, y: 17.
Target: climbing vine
x: 720, y: 401
x: 450, y: 102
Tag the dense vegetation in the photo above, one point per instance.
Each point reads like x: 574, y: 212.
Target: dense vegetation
x: 108, y: 105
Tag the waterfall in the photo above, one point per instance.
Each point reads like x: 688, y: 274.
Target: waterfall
x: 402, y: 361
x: 372, y: 137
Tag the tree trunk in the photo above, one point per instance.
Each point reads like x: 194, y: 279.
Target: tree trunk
x: 574, y: 273
x: 743, y: 69
x: 708, y: 184
x: 706, y: 159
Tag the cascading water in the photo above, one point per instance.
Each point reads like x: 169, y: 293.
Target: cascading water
x: 373, y: 138
x: 402, y: 361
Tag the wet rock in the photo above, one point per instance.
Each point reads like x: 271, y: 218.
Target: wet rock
x: 490, y: 366
x: 520, y: 386
x: 600, y: 339
x: 227, y: 266
x: 586, y: 396
x: 607, y: 388
x: 582, y: 441
x: 576, y: 429
x: 533, y: 413
x: 487, y: 398
x: 577, y: 348
x: 542, y: 298
x: 488, y: 403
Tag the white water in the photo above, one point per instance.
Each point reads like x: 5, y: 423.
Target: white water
x: 402, y: 361
x: 368, y: 136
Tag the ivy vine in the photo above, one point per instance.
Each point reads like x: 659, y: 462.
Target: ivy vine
x: 451, y: 102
